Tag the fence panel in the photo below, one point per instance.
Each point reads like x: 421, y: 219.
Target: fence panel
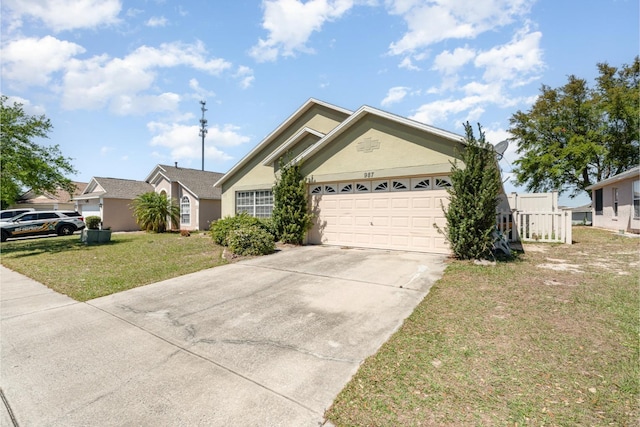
x: 554, y: 227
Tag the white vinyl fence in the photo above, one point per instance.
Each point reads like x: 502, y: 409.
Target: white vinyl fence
x: 553, y: 227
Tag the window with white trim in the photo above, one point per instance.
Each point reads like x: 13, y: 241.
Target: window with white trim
x: 346, y: 188
x: 615, y: 201
x: 636, y: 199
x: 258, y: 203
x: 380, y: 186
x: 442, y: 182
x: 421, y: 183
x: 316, y: 189
x: 185, y: 211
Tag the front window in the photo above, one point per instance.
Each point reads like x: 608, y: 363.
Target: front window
x: 256, y: 203
x: 615, y: 202
x: 636, y: 199
x: 598, y: 201
x: 185, y: 211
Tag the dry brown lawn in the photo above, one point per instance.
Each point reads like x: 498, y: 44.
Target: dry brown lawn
x: 548, y: 338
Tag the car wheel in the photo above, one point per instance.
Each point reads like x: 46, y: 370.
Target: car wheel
x: 5, y: 236
x: 65, y: 230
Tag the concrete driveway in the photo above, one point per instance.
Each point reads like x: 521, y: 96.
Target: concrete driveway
x: 268, y: 341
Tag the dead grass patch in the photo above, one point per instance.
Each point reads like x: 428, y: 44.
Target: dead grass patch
x: 513, y: 344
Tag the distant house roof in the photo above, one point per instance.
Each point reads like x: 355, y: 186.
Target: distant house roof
x: 585, y: 208
x: 115, y: 188
x: 198, y: 182
x: 59, y: 196
x: 631, y: 173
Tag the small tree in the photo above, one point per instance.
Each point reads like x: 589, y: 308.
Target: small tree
x: 24, y: 163
x: 291, y: 218
x: 153, y: 211
x: 473, y: 199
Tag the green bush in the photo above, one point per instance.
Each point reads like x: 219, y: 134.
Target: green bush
x: 93, y: 222
x: 221, y: 228
x: 250, y: 240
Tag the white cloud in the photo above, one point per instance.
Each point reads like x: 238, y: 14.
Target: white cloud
x: 518, y: 61
x: 200, y: 92
x: 61, y: 15
x: 432, y: 21
x: 394, y: 95
x: 118, y: 82
x: 157, y: 21
x: 407, y: 63
x: 184, y: 142
x: 290, y: 23
x: 31, y: 61
x: 245, y: 75
x: 450, y: 62
x: 27, y: 106
x: 439, y: 111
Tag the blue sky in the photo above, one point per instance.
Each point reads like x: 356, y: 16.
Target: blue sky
x: 121, y: 80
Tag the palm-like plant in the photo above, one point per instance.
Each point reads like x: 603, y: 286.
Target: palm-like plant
x: 153, y: 211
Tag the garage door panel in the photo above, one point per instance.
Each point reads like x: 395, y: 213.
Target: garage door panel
x: 385, y: 220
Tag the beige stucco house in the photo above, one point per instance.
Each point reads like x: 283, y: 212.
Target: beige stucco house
x: 191, y: 189
x: 110, y: 199
x: 60, y: 200
x: 616, y: 202
x: 375, y: 179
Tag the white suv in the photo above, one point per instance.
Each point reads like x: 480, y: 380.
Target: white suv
x: 6, y: 215
x: 41, y: 223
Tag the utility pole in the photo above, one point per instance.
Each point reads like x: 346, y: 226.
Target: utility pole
x: 203, y: 129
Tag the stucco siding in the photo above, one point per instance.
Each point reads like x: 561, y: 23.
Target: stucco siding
x: 624, y: 220
x: 209, y: 212
x: 374, y: 148
x: 254, y: 175
x: 117, y: 214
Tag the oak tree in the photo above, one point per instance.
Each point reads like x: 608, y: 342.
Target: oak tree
x: 574, y: 135
x: 25, y: 164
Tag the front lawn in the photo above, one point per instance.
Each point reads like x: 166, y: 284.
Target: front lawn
x: 551, y: 338
x: 128, y: 261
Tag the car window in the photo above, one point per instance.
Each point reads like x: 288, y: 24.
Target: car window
x: 48, y: 215
x: 28, y: 217
x: 6, y: 215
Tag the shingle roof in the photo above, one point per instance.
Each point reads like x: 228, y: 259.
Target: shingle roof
x: 60, y: 196
x: 197, y: 181
x: 116, y: 188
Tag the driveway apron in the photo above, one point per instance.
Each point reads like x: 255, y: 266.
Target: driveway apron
x: 268, y: 341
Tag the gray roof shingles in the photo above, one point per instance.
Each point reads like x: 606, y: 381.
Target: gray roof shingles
x: 116, y: 188
x: 198, y: 181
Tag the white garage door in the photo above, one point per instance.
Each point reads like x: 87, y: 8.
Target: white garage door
x: 385, y: 214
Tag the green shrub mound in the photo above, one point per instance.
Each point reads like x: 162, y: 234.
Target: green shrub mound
x: 250, y: 240
x: 221, y: 229
x: 93, y: 222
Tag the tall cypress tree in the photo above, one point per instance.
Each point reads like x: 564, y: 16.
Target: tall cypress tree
x: 291, y: 218
x: 473, y: 199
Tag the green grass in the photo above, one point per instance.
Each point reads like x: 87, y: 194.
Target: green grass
x: 515, y: 344
x: 130, y: 260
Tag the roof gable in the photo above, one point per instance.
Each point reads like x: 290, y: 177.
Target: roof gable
x: 197, y: 182
x: 359, y: 115
x: 279, y: 131
x: 116, y: 188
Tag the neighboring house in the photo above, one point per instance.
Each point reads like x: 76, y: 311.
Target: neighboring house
x: 58, y: 201
x: 193, y: 190
x: 616, y: 202
x: 110, y: 199
x: 581, y: 215
x: 375, y: 179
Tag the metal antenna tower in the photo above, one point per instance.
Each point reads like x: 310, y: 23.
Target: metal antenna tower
x: 203, y: 128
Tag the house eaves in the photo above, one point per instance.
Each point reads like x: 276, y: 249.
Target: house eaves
x: 269, y: 138
x: 291, y: 142
x: 363, y: 112
x: 631, y: 173
x: 199, y: 183
x: 115, y: 188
